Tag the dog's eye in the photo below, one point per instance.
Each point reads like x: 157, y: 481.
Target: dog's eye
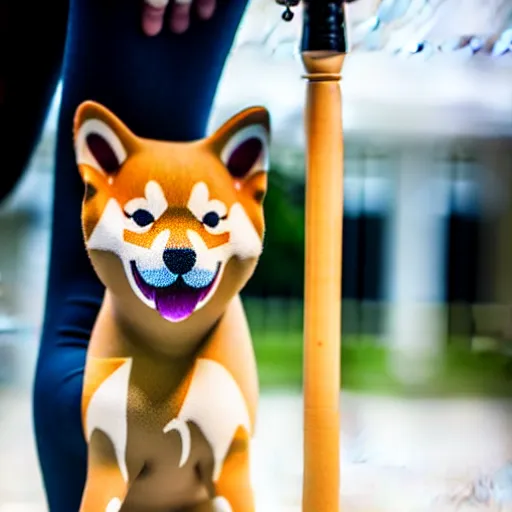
x: 142, y: 218
x: 211, y: 219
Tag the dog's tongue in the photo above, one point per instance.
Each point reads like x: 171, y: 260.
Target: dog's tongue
x: 176, y: 305
x: 176, y: 302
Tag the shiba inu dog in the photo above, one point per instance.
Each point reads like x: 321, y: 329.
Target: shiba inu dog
x: 174, y: 231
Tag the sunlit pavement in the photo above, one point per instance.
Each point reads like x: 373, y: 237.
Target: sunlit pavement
x: 396, y: 455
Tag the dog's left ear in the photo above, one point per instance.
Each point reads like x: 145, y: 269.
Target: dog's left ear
x: 242, y: 143
x: 102, y: 141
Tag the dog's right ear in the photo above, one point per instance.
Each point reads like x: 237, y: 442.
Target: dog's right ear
x: 102, y: 141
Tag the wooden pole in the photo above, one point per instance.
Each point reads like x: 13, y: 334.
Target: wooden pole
x: 323, y: 54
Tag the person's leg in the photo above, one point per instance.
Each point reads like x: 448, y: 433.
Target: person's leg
x: 162, y: 88
x: 32, y: 37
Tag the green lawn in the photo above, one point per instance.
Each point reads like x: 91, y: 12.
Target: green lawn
x: 277, y: 335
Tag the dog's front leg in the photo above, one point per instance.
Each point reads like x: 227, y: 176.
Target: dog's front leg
x: 106, y: 487
x: 233, y: 489
x: 105, y: 419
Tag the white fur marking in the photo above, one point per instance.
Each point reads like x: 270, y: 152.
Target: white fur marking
x: 216, y: 405
x: 221, y: 504
x: 197, y: 202
x: 108, y: 236
x: 152, y: 258
x: 156, y: 199
x: 209, y: 259
x: 184, y: 432
x: 108, y: 232
x: 135, y: 204
x: 146, y: 259
x: 244, y: 240
x: 114, y: 505
x: 154, y: 202
x: 83, y: 153
x: 108, y: 410
x: 255, y: 131
x: 206, y: 258
x: 200, y: 204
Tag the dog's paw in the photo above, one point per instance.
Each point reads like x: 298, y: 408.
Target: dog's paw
x: 221, y: 504
x: 114, y: 505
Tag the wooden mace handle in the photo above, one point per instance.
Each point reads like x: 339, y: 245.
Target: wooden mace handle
x: 323, y: 47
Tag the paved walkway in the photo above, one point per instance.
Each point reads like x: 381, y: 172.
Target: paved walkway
x: 408, y: 456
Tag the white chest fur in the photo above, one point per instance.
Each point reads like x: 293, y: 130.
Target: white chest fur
x: 214, y: 403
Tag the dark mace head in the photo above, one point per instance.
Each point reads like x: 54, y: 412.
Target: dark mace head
x: 288, y: 4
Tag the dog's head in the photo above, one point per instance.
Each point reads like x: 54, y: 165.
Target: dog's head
x: 185, y: 220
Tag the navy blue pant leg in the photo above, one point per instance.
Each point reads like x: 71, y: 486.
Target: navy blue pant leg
x: 162, y: 88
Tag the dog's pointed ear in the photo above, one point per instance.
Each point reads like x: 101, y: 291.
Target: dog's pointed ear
x: 101, y: 140
x: 242, y: 143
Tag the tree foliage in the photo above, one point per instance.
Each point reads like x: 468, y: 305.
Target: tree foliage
x: 280, y: 271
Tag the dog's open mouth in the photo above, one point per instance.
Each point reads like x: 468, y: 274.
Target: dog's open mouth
x: 177, y: 301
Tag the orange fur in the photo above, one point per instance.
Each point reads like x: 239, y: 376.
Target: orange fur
x: 174, y: 231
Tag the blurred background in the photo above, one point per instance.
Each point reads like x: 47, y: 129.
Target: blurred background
x: 427, y: 276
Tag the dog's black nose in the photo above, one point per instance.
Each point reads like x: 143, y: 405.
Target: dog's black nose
x: 179, y: 261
